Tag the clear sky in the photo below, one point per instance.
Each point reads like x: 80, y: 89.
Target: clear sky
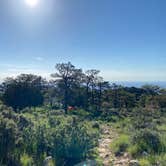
x: 125, y: 39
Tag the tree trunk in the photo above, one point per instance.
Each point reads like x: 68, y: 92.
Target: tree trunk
x: 66, y: 98
x: 87, y: 96
x: 100, y: 96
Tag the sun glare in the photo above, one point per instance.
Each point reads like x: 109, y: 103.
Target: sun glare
x: 32, y: 3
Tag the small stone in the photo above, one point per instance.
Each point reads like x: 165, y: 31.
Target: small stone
x: 126, y: 155
x: 133, y: 163
x: 145, y: 153
x: 47, y: 160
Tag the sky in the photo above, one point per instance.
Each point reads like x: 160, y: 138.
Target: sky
x: 125, y: 39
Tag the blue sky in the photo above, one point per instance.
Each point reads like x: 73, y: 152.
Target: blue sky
x: 125, y: 39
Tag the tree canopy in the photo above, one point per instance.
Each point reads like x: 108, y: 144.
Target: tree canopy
x: 23, y: 91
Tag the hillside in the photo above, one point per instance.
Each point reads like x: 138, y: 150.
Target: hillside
x: 78, y: 118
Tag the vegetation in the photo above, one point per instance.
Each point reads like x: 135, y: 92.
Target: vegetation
x: 61, y: 119
x: 120, y: 145
x: 24, y: 91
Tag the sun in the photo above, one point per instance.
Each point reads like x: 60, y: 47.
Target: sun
x: 32, y: 3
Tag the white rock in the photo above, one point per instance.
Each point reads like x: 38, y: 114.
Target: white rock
x: 133, y: 163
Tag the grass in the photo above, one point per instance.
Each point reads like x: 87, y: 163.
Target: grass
x: 125, y: 144
x: 26, y: 160
x: 122, y: 125
x: 153, y: 160
x: 144, y: 162
x: 133, y: 150
x: 121, y: 144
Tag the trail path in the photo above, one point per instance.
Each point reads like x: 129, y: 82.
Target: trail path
x: 109, y: 159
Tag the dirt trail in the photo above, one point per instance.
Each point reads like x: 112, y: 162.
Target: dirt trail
x: 105, y: 153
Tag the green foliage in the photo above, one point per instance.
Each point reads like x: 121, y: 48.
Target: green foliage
x: 10, y: 138
x: 32, y: 134
x: 143, y: 118
x: 147, y: 141
x: 72, y: 141
x: 30, y: 137
x: 24, y: 91
x: 26, y: 160
x: 80, y: 112
x: 120, y: 145
x: 133, y: 150
x: 153, y: 160
x: 67, y: 139
x: 147, y: 137
x: 144, y: 162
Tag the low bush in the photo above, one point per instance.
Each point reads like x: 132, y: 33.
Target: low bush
x: 72, y: 142
x: 67, y: 139
x: 147, y: 141
x: 133, y: 150
x: 144, y: 162
x: 120, y: 145
x: 26, y: 160
x: 153, y: 160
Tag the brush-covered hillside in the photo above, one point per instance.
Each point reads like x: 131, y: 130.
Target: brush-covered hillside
x: 77, y: 118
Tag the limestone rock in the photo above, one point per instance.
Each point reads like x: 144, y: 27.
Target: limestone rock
x: 133, y: 163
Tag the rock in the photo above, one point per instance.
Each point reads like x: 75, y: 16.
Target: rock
x: 106, y: 132
x: 126, y: 155
x: 47, y: 160
x: 120, y: 162
x: 134, y: 163
x: 145, y: 153
x: 87, y: 163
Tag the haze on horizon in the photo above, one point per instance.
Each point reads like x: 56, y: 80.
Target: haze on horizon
x: 124, y: 39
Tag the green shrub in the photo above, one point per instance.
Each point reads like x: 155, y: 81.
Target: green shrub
x: 26, y: 160
x: 163, y: 142
x: 121, y: 144
x: 157, y: 159
x: 10, y: 138
x: 72, y: 141
x: 162, y: 159
x: 133, y: 150
x: 80, y: 112
x: 153, y: 160
x: 144, y: 162
x: 147, y: 141
x: 66, y: 138
x: 96, y: 125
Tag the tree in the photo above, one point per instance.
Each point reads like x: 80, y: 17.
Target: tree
x: 151, y: 89
x: 66, y: 76
x: 23, y: 91
x: 114, y: 95
x: 102, y: 86
x: 91, y: 77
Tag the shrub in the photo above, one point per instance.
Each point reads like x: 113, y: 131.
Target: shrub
x: 153, y: 160
x: 162, y: 160
x: 72, y: 142
x: 10, y: 138
x: 163, y: 142
x: 144, y: 162
x: 26, y: 160
x: 80, y: 112
x: 96, y: 125
x: 67, y: 139
x: 147, y: 141
x: 133, y: 150
x: 120, y: 145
